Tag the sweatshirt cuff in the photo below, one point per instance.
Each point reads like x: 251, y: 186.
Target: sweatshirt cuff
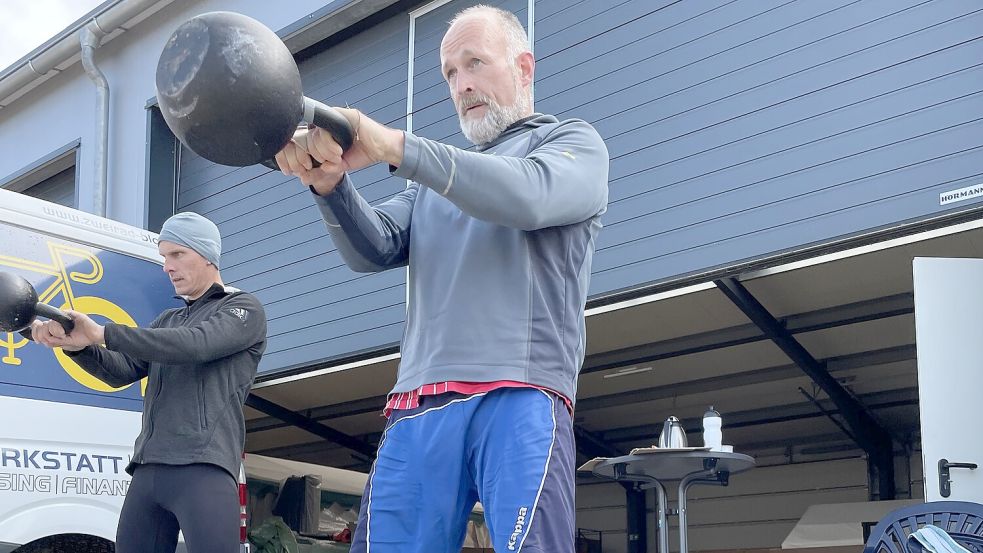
x: 82, y: 352
x: 411, y: 158
x: 337, y: 201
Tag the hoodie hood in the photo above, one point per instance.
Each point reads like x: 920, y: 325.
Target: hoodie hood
x: 525, y: 124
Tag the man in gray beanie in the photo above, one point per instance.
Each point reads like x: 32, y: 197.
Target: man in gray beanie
x: 200, y: 361
x: 193, y: 231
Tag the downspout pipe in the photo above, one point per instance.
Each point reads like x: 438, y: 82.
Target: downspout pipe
x: 91, y: 37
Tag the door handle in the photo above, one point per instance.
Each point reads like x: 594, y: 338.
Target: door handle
x: 945, y: 488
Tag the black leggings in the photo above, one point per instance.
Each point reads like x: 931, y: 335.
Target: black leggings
x: 201, y: 500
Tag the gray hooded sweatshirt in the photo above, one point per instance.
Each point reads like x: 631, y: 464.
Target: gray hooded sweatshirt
x: 499, y: 243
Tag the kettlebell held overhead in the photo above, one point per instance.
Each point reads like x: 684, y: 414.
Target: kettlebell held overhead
x: 230, y: 91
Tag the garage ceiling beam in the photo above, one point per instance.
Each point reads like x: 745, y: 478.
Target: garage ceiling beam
x: 866, y: 430
x: 841, y: 315
x: 745, y: 378
x: 325, y: 412
x: 802, y: 440
x: 903, y: 397
x: 318, y: 447
x: 312, y: 426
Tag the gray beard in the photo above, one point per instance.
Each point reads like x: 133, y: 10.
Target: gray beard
x: 497, y: 118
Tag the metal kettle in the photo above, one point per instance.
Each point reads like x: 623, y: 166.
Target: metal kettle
x: 672, y: 434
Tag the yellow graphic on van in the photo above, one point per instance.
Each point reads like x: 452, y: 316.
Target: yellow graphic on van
x: 69, y: 264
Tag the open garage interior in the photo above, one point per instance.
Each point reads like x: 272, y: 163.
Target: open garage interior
x: 678, y: 351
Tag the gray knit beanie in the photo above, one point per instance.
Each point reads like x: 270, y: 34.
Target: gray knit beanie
x: 193, y: 231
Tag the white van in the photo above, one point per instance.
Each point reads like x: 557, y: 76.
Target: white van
x: 65, y: 437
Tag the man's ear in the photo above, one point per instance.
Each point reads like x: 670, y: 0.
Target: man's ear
x: 527, y: 67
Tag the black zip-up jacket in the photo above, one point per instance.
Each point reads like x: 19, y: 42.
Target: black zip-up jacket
x: 201, y: 360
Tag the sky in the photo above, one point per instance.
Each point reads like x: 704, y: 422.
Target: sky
x: 27, y: 24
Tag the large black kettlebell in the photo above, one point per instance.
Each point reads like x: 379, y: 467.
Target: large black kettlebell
x: 19, y: 306
x: 230, y: 91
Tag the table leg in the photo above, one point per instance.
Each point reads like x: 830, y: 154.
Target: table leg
x: 662, y: 521
x: 681, y: 501
x: 702, y: 477
x: 711, y: 477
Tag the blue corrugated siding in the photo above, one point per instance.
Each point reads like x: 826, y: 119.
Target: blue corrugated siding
x: 737, y: 129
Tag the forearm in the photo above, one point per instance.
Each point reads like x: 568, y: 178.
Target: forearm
x: 369, y: 239
x: 113, y: 368
x: 219, y: 335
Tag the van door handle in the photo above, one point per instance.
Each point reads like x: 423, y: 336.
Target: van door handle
x: 945, y: 488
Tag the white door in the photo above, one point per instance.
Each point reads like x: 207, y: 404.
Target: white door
x: 949, y: 338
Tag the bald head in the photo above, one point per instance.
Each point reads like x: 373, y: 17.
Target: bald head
x: 486, y: 61
x: 503, y: 22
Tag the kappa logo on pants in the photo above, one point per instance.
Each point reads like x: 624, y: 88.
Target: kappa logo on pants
x: 520, y: 522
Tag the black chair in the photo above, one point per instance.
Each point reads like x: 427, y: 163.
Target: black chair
x: 960, y: 519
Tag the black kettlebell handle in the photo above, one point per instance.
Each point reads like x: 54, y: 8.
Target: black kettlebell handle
x: 52, y: 313
x: 331, y: 120
x: 327, y: 118
x: 56, y: 314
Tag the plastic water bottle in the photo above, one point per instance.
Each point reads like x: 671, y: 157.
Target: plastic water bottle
x: 712, y: 436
